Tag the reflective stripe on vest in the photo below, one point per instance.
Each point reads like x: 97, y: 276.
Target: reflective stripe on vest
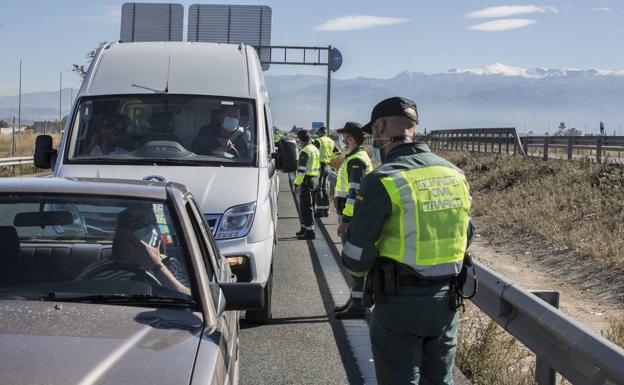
x: 428, y: 227
x: 326, y: 149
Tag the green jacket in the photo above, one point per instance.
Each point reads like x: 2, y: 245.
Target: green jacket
x: 373, y: 206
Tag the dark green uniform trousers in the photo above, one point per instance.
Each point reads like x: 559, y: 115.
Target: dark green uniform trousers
x: 357, y: 284
x: 322, y: 199
x: 413, y: 336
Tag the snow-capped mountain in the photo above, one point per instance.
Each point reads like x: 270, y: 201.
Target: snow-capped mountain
x: 506, y: 70
x: 498, y: 95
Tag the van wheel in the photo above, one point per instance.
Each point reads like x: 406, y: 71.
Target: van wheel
x: 263, y: 316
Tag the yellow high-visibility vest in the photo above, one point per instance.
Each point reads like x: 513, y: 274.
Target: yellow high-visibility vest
x: 326, y: 149
x: 342, y: 183
x: 312, y: 167
x: 427, y: 229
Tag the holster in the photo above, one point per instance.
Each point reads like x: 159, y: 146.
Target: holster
x: 380, y: 282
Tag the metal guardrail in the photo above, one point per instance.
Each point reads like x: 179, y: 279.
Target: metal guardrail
x: 560, y: 343
x: 598, y: 144
x: 506, y: 140
x: 16, y: 161
x: 476, y: 140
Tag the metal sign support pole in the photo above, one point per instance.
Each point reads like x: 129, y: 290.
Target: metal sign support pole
x: 327, y: 113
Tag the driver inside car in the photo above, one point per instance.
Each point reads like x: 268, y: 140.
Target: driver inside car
x: 108, y: 139
x: 136, y: 253
x: 223, y: 137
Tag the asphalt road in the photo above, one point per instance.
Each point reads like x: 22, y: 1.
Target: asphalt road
x: 299, y: 346
x: 302, y: 345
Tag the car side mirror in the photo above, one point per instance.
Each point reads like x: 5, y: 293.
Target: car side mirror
x: 243, y: 295
x: 287, y: 153
x: 44, y: 153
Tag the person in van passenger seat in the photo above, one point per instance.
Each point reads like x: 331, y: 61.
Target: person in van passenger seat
x: 223, y: 136
x: 108, y: 139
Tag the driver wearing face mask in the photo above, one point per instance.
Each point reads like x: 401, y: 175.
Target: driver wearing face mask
x: 223, y: 138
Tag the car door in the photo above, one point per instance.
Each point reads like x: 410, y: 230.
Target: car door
x: 228, y: 324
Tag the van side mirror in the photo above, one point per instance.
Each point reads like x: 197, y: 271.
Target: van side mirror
x: 287, y: 155
x: 44, y: 153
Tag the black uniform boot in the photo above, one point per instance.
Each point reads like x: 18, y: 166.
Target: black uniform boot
x: 308, y: 235
x: 352, y: 311
x: 301, y: 232
x: 344, y: 307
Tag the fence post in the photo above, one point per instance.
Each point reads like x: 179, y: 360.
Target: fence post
x: 599, y: 149
x: 544, y: 373
x: 525, y: 145
x: 12, y: 151
x: 507, y: 142
x: 546, y: 148
x: 500, y: 145
x: 570, y: 147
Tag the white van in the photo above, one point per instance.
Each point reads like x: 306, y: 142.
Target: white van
x: 193, y: 113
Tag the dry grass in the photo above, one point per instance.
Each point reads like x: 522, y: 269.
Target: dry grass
x: 24, y: 143
x: 487, y: 355
x: 24, y: 146
x: 575, y: 205
x: 615, y: 332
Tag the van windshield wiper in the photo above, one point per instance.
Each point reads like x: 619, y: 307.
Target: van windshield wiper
x: 130, y: 299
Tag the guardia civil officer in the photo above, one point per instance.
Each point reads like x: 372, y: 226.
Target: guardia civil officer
x: 306, y: 183
x: 409, y: 232
x: 328, y: 151
x: 356, y: 164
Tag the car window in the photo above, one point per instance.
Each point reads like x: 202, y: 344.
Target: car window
x: 73, y: 246
x: 171, y: 129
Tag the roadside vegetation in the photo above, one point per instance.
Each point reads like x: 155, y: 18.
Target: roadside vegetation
x: 615, y: 332
x: 575, y: 205
x: 24, y: 143
x: 487, y: 355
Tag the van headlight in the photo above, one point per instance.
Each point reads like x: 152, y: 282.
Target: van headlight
x: 236, y: 221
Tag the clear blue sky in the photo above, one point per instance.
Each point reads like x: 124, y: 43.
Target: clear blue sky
x: 415, y: 35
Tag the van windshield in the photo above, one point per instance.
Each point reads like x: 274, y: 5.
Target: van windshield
x: 164, y: 129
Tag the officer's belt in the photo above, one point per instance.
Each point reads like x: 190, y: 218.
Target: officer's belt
x: 407, y: 280
x: 406, y: 277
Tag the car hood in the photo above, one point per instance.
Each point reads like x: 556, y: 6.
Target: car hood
x: 215, y: 188
x: 71, y: 343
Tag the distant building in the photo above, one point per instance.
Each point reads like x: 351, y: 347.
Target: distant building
x: 44, y: 127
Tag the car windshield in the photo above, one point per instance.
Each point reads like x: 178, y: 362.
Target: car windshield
x: 164, y: 129
x: 92, y: 249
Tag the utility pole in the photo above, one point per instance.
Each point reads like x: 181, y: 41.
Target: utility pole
x: 60, y: 100
x: 19, y: 109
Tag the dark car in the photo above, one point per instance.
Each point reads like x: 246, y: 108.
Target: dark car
x: 114, y: 282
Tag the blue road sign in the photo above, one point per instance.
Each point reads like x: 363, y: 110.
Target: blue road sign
x: 336, y: 61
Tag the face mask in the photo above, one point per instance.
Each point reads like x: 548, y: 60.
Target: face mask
x: 377, y: 154
x: 377, y: 148
x: 230, y: 124
x: 341, y: 141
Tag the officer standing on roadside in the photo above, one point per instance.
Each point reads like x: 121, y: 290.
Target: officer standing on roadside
x: 328, y: 151
x: 306, y: 183
x: 410, y: 231
x: 357, y: 163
